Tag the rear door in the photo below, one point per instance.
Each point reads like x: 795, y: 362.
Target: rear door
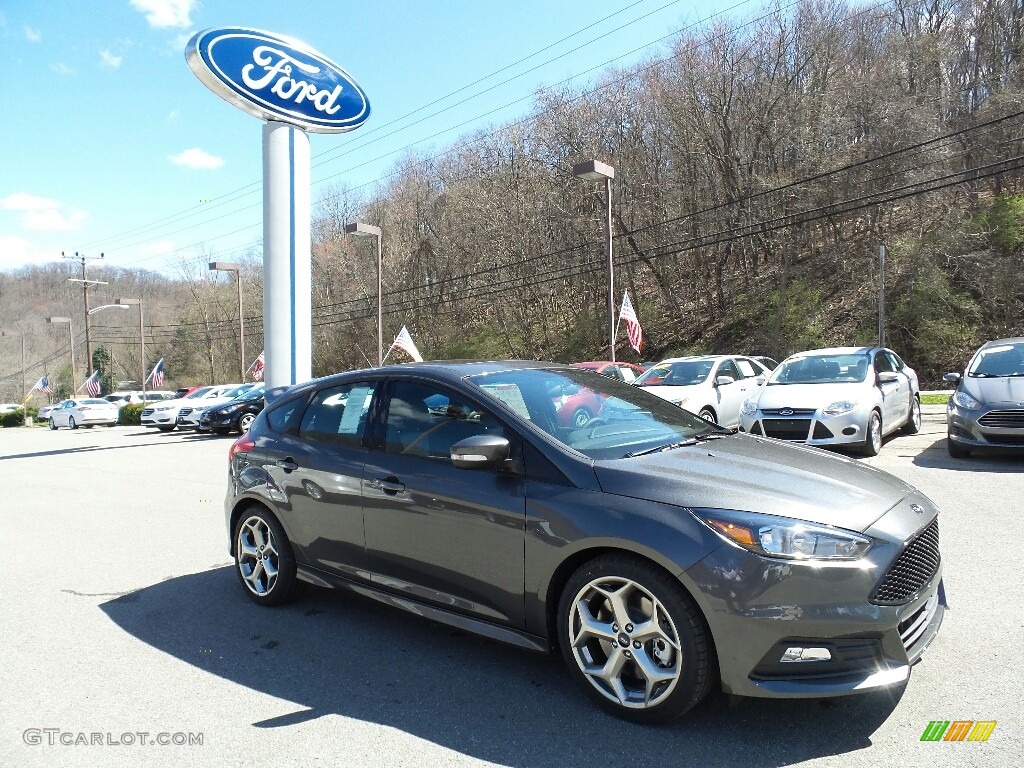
x: 895, y: 394
x: 449, y: 536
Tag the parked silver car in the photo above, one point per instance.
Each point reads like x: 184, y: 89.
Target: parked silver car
x: 987, y: 409
x: 842, y: 396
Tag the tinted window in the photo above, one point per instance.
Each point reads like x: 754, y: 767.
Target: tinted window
x: 998, y: 360
x: 426, y: 420
x: 894, y: 360
x: 728, y: 368
x: 882, y: 363
x: 821, y: 369
x: 338, y: 414
x: 282, y: 417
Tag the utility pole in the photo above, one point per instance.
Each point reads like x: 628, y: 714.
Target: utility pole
x: 881, y: 295
x: 86, y: 282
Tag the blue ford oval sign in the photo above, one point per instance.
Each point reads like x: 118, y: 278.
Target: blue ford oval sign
x: 277, y: 78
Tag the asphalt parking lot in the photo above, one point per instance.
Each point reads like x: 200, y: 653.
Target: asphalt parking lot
x: 120, y: 616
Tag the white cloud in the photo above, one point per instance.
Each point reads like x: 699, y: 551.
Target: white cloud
x: 42, y: 214
x: 108, y: 59
x: 197, y: 158
x: 18, y: 252
x: 63, y: 69
x: 162, y: 14
x: 32, y: 35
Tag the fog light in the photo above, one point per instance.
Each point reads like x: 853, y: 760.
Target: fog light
x: 806, y: 654
x: 849, y: 431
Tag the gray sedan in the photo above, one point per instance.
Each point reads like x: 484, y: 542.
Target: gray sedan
x: 662, y: 556
x: 851, y: 396
x: 987, y: 409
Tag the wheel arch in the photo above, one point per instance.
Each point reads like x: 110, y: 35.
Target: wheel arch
x: 245, y: 503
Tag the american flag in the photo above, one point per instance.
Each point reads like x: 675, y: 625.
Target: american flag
x: 257, y: 368
x: 157, y: 375
x: 633, y: 330
x: 92, y: 384
x: 43, y: 385
x: 405, y: 343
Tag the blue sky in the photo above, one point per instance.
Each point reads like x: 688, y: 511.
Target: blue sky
x: 110, y: 144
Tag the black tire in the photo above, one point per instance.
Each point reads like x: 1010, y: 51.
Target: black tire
x: 956, y: 451
x: 244, y: 422
x: 581, y: 417
x: 689, y: 673
x: 708, y: 415
x: 166, y: 429
x: 71, y: 422
x: 53, y: 426
x: 913, y: 425
x: 872, y: 435
x: 88, y: 426
x: 252, y: 555
x: 112, y: 424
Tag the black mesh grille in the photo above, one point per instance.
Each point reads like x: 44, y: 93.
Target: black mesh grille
x: 185, y: 411
x: 821, y: 432
x: 1005, y: 439
x: 789, y: 411
x: 786, y: 429
x: 1005, y: 419
x: 911, y: 570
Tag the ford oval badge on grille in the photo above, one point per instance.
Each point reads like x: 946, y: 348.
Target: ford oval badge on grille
x: 785, y: 411
x: 917, y: 508
x: 277, y: 78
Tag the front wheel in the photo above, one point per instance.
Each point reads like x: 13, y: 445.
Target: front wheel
x: 53, y: 425
x: 708, y: 415
x: 955, y: 451
x: 71, y: 422
x: 634, y: 640
x: 872, y: 435
x: 264, y: 560
x: 913, y: 425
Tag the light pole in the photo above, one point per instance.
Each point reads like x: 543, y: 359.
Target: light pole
x: 24, y: 391
x: 142, y: 338
x: 94, y: 310
x: 593, y: 170
x: 230, y: 266
x: 359, y: 229
x: 71, y: 344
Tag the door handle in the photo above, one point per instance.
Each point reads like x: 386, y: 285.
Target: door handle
x: 288, y: 465
x: 387, y: 484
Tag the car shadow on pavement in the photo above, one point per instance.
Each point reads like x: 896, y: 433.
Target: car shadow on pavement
x: 76, y: 449
x: 332, y: 652
x: 936, y: 456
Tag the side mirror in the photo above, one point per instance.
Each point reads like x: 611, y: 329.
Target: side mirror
x: 722, y: 381
x: 952, y: 378
x: 480, y: 452
x: 888, y: 377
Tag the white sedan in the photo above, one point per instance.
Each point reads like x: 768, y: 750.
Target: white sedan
x: 711, y: 386
x: 850, y: 396
x: 84, y: 412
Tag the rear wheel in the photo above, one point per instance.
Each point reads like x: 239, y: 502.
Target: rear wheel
x: 872, y: 435
x: 956, y: 451
x: 913, y: 425
x: 634, y: 640
x: 708, y: 415
x: 264, y: 560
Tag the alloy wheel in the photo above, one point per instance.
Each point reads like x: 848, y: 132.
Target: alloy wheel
x: 625, y: 642
x: 258, y: 558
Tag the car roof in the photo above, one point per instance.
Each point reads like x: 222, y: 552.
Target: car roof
x: 695, y: 357
x: 1001, y: 342
x: 835, y: 351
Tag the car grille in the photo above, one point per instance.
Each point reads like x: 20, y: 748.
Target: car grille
x: 147, y: 411
x: 185, y: 411
x: 786, y: 429
x: 913, y: 628
x: 1003, y: 419
x: 914, y: 568
x: 804, y: 412
x: 1005, y: 439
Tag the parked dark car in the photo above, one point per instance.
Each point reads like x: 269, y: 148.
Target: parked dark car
x: 987, y: 409
x: 660, y: 554
x: 237, y: 416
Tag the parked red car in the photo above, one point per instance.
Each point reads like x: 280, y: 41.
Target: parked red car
x: 626, y: 372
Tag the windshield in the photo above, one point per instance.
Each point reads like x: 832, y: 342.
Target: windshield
x: 684, y: 373
x: 198, y: 393
x: 998, y: 361
x: 822, y: 369
x: 625, y: 421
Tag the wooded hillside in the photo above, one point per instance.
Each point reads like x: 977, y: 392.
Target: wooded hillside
x: 759, y: 165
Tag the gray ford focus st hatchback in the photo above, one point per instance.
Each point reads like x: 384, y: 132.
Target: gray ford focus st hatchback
x: 660, y: 555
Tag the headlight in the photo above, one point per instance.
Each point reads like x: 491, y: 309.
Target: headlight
x: 786, y: 538
x: 749, y: 408
x: 839, y: 407
x: 964, y: 400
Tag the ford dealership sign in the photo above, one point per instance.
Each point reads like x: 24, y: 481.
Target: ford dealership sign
x: 277, y: 78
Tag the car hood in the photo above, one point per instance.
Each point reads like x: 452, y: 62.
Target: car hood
x: 1005, y: 389
x: 754, y: 474
x: 809, y: 395
x: 210, y: 402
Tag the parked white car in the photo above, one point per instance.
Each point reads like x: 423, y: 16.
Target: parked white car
x: 45, y: 410
x: 9, y: 407
x: 123, y: 398
x: 850, y: 396
x: 83, y: 412
x: 164, y: 414
x: 189, y: 415
x: 711, y: 386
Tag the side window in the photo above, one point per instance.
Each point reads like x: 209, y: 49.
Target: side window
x: 628, y: 375
x: 882, y: 363
x: 283, y: 416
x: 338, y: 414
x: 894, y: 360
x: 747, y: 368
x: 426, y: 420
x: 728, y: 368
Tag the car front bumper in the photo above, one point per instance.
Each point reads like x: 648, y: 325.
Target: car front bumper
x: 808, y: 425
x: 991, y: 426
x: 758, y: 608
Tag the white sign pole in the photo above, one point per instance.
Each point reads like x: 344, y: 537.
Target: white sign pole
x: 287, y: 244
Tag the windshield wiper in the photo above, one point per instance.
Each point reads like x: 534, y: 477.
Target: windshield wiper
x: 714, y: 435
x: 660, y: 448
